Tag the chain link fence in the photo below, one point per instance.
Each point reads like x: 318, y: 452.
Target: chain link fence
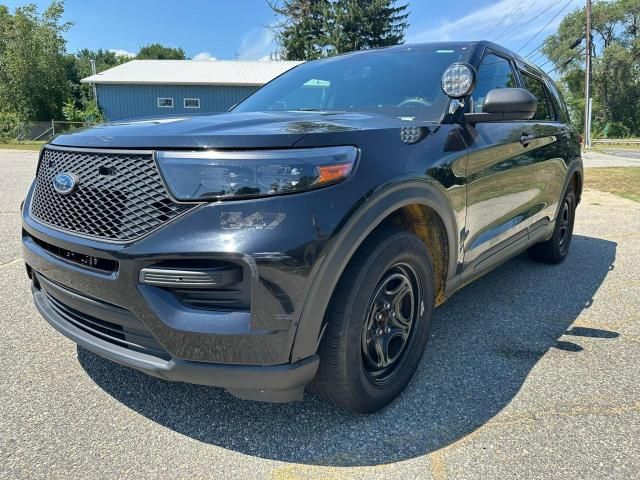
x: 48, y: 130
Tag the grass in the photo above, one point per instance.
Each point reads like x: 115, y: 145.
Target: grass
x: 33, y: 146
x: 603, y: 147
x: 621, y: 181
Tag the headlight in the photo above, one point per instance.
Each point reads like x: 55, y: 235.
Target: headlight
x: 215, y: 175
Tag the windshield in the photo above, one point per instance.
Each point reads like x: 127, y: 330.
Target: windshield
x: 400, y: 82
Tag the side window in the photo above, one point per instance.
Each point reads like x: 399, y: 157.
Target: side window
x: 494, y: 72
x: 536, y: 86
x: 558, y: 104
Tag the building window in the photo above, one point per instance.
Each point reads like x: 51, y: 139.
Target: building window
x: 191, y: 103
x: 165, y: 102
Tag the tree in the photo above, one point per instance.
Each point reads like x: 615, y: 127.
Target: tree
x: 360, y: 24
x: 90, y: 113
x: 78, y: 66
x: 616, y: 65
x: 155, y: 51
x: 311, y: 29
x: 33, y: 82
x: 302, y: 33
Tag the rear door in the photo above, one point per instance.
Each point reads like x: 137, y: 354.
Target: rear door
x: 500, y: 174
x: 551, y: 155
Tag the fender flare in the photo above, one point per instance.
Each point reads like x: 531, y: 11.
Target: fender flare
x: 575, y: 167
x: 349, y: 238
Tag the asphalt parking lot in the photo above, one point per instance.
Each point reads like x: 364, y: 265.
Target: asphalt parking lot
x: 531, y: 372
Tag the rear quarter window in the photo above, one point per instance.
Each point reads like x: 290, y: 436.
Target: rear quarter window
x: 545, y: 109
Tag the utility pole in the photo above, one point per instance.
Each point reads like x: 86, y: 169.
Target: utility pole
x: 587, y: 82
x: 93, y: 72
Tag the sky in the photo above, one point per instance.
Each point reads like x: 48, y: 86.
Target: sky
x: 223, y: 29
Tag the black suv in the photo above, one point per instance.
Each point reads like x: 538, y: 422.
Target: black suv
x: 305, y: 237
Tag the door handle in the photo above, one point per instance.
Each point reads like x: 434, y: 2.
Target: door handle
x: 526, y: 139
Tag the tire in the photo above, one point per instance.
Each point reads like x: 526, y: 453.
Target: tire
x: 366, y: 318
x: 556, y: 249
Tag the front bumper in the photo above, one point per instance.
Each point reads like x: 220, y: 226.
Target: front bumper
x: 278, y: 243
x: 274, y: 383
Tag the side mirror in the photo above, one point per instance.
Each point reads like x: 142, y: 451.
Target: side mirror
x: 505, y: 104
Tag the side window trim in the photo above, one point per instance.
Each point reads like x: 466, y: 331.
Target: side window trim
x: 514, y: 70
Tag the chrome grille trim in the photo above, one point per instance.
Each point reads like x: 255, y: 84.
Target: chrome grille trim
x: 203, y: 278
x: 117, y: 208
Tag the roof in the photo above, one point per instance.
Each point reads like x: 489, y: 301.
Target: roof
x: 193, y: 72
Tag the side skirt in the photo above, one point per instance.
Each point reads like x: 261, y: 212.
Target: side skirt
x: 500, y: 253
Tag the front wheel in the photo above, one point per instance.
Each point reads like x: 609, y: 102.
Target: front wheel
x: 377, y: 323
x: 556, y: 249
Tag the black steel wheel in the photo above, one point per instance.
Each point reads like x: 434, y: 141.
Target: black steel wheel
x: 388, y: 329
x: 556, y: 249
x: 377, y: 324
x: 565, y: 224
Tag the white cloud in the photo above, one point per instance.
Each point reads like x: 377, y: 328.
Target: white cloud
x: 204, y: 57
x: 481, y: 23
x: 122, y: 53
x: 256, y: 44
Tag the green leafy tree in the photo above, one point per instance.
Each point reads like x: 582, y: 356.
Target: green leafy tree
x: 616, y: 65
x: 310, y: 29
x: 155, y: 51
x: 302, y: 32
x: 360, y: 24
x: 33, y: 80
x: 91, y: 113
x: 12, y: 126
x: 78, y: 66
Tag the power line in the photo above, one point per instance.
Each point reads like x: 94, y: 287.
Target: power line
x: 526, y: 22
x: 538, y: 48
x: 506, y: 15
x: 546, y: 24
x: 563, y: 64
x: 535, y: 57
x: 543, y: 64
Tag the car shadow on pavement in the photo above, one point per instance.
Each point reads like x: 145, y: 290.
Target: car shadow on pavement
x: 485, y: 340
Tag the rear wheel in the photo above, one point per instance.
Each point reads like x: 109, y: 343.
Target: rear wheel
x: 377, y: 323
x: 556, y: 249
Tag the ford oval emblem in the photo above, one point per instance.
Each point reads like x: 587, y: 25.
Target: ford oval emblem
x: 64, y: 183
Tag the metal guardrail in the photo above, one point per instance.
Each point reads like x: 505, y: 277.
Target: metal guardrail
x: 616, y: 141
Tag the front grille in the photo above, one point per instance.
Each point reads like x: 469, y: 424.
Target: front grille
x: 89, y: 261
x: 120, y: 195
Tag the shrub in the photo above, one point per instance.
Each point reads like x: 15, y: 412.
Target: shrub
x: 12, y: 126
x: 616, y: 130
x: 90, y: 114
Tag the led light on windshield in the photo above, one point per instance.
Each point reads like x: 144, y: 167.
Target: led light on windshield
x: 458, y: 80
x: 216, y: 175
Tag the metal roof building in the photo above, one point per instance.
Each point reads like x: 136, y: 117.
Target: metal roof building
x: 146, y: 88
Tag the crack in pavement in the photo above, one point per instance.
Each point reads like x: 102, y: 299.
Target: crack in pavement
x: 536, y: 415
x: 10, y: 262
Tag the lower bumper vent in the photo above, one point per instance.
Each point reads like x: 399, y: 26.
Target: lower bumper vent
x: 107, y: 322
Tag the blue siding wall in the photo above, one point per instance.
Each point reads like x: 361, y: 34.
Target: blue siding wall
x: 120, y: 102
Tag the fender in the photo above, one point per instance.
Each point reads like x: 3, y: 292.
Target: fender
x: 363, y: 221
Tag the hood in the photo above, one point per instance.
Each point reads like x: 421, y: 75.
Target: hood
x: 226, y: 130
